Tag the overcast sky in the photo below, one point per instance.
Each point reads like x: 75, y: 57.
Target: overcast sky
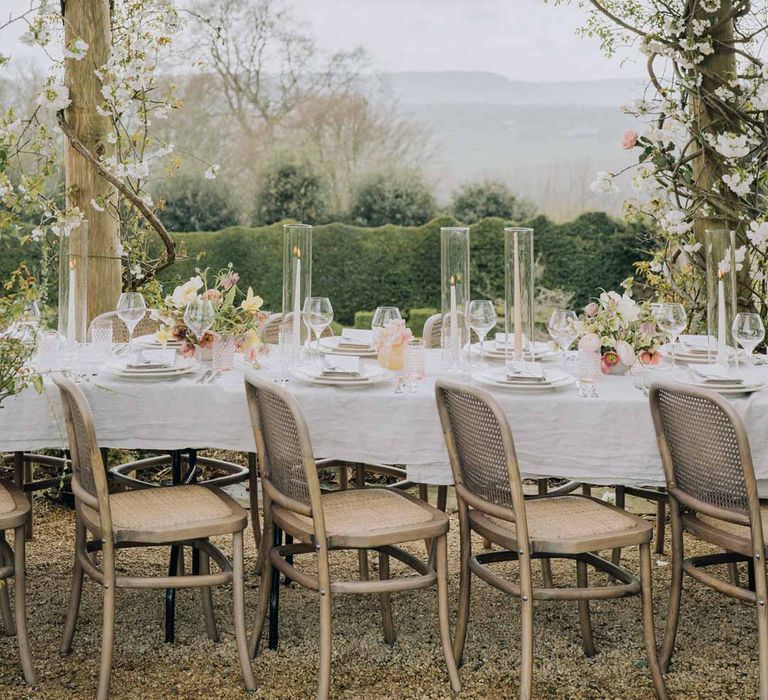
x: 521, y: 39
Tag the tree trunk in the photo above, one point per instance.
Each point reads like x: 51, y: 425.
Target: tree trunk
x: 722, y: 66
x: 90, y: 20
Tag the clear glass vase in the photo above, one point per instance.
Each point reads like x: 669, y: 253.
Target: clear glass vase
x: 297, y: 278
x: 722, y: 280
x: 454, y: 294
x: 518, y: 294
x: 73, y: 286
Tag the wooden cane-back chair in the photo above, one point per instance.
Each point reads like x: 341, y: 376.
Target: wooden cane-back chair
x: 151, y: 517
x: 271, y: 330
x: 491, y: 502
x: 120, y: 334
x: 362, y: 518
x: 433, y: 331
x: 713, y: 495
x: 14, y: 514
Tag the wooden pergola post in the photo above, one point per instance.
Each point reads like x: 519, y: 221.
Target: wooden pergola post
x: 90, y: 20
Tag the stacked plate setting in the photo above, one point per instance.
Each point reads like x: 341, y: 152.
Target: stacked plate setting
x: 352, y: 341
x: 341, y: 370
x: 529, y: 378
x: 149, y: 341
x: 496, y: 351
x: 149, y: 370
x: 696, y: 350
x: 723, y: 380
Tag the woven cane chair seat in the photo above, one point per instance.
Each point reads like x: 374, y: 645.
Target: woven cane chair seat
x: 14, y: 507
x: 169, y: 514
x: 572, y: 524
x: 730, y: 536
x: 370, y: 514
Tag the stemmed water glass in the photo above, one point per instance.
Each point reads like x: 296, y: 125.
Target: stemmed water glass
x: 199, y: 317
x: 318, y: 314
x: 672, y: 320
x: 131, y: 308
x: 482, y: 319
x: 749, y: 331
x: 563, y: 328
x: 382, y: 317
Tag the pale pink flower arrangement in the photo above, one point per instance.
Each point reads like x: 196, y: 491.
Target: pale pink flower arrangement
x: 629, y: 139
x: 394, y: 333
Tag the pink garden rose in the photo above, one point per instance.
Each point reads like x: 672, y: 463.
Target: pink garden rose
x: 213, y: 295
x: 188, y: 350
x: 629, y: 139
x: 589, y: 342
x: 591, y: 309
x: 650, y: 357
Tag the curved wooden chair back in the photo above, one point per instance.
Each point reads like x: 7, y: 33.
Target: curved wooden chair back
x: 706, y: 456
x: 89, y: 477
x: 486, y: 473
x: 433, y: 331
x: 120, y: 334
x: 271, y: 330
x: 286, y: 463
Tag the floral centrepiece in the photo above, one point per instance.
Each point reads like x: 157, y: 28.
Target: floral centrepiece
x: 237, y: 313
x: 621, y: 331
x: 390, y: 342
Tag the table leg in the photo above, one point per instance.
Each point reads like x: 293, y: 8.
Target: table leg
x: 22, y: 473
x: 170, y: 593
x: 274, y: 594
x: 289, y: 558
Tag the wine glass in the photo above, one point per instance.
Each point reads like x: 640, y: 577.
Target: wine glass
x: 563, y: 328
x: 199, y: 317
x: 749, y: 331
x: 482, y: 318
x: 382, y: 317
x: 131, y: 308
x: 31, y: 313
x: 318, y: 314
x: 672, y: 319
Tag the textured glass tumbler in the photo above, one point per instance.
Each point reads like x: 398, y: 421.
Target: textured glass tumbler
x: 101, y: 336
x: 223, y: 353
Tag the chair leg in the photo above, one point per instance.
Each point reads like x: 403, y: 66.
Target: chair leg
x: 362, y: 564
x: 206, y: 594
x: 621, y: 500
x: 5, y: 602
x: 108, y: 633
x: 648, y: 630
x: 588, y: 641
x: 77, y: 591
x: 675, y: 589
x: 733, y: 574
x: 264, y: 591
x: 324, y: 684
x: 274, y: 595
x: 526, y: 633
x: 661, y: 519
x: 238, y: 587
x: 465, y: 588
x: 22, y: 636
x: 761, y: 589
x: 443, y: 611
x: 385, y: 600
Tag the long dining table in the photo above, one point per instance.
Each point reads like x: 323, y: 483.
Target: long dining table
x: 604, y: 440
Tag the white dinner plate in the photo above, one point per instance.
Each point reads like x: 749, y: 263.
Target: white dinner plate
x: 556, y: 380
x: 370, y: 377
x: 150, y: 342
x: 331, y: 344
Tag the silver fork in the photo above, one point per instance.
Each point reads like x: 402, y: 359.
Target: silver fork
x: 206, y: 375
x: 214, y: 376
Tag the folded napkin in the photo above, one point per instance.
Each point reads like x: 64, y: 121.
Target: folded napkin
x: 340, y: 366
x: 152, y: 359
x: 525, y: 374
x: 698, y: 343
x: 715, y: 374
x: 356, y: 338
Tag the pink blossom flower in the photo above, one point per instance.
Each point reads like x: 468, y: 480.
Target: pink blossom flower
x: 213, y: 295
x: 230, y: 280
x: 608, y: 361
x: 651, y: 356
x: 591, y: 309
x: 207, y: 340
x: 629, y: 139
x: 394, y: 333
x: 188, y: 349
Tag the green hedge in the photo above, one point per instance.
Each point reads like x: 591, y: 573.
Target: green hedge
x: 360, y: 269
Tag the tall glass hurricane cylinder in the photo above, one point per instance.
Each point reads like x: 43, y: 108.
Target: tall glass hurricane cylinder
x: 720, y: 257
x: 297, y: 279
x: 73, y: 285
x: 454, y: 293
x: 518, y: 294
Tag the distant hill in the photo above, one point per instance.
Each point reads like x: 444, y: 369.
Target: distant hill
x: 546, y: 140
x: 468, y: 87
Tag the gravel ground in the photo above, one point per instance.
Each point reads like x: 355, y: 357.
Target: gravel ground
x: 715, y: 658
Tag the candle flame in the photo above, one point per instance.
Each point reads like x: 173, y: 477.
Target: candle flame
x: 452, y: 280
x: 297, y: 251
x: 720, y: 274
x: 72, y: 264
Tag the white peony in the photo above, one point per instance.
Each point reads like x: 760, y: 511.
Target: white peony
x: 186, y: 292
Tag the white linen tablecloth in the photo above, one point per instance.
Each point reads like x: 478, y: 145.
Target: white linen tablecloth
x: 606, y: 440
